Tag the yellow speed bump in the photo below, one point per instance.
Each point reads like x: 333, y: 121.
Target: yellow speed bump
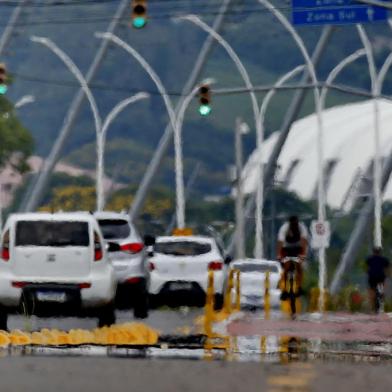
x: 19, y: 338
x: 122, y: 334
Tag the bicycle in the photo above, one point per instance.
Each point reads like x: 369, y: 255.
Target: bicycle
x: 291, y: 282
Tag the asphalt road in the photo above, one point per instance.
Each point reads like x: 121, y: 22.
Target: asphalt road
x: 109, y: 374
x: 263, y: 357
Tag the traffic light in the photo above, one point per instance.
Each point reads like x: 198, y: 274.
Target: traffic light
x: 139, y: 13
x: 204, y: 100
x: 3, y: 79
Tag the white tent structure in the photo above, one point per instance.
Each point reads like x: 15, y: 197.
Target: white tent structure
x: 348, y: 153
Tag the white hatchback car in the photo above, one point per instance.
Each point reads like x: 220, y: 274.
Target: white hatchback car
x: 178, y: 269
x: 128, y: 258
x: 54, y: 262
x: 252, y: 281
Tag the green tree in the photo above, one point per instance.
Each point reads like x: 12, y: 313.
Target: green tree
x: 16, y: 141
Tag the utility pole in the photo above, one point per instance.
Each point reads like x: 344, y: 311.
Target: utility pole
x: 167, y: 136
x: 39, y: 187
x: 240, y: 129
x: 291, y: 115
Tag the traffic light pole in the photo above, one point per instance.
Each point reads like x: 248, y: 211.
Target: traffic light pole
x: 39, y: 187
x: 166, y: 138
x: 7, y: 34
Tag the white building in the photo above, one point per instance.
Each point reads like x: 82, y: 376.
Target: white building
x: 348, y: 152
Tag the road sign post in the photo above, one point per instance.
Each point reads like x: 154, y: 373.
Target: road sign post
x: 319, y: 12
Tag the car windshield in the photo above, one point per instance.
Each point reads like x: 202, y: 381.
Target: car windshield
x: 250, y: 267
x: 49, y: 233
x: 114, y: 228
x: 182, y: 248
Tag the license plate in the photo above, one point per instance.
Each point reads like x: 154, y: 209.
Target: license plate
x: 181, y: 286
x: 51, y: 296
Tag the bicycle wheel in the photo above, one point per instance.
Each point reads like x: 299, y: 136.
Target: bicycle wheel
x: 292, y: 295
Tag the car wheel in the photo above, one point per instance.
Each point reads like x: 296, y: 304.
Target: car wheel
x: 3, y: 318
x: 218, y: 302
x: 106, y: 316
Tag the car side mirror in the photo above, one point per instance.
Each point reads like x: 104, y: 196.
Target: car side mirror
x: 113, y: 247
x: 228, y: 259
x: 149, y: 240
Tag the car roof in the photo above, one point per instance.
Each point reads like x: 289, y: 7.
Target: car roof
x: 194, y: 238
x: 57, y: 216
x: 111, y: 215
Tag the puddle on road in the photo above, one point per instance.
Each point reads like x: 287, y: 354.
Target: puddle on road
x: 268, y: 345
x: 265, y: 349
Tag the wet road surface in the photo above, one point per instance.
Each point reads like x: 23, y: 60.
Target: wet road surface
x: 108, y: 374
x: 336, y: 352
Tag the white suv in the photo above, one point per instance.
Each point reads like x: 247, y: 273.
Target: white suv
x: 178, y: 269
x: 55, y: 262
x: 128, y: 259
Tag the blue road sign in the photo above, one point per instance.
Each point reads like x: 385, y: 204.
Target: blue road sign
x: 318, y: 12
x: 322, y: 3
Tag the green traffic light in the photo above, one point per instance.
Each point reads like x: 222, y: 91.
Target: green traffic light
x: 3, y: 89
x: 139, y: 22
x: 205, y: 110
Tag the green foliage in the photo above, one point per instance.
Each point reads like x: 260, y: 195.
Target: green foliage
x: 16, y: 142
x: 57, y: 180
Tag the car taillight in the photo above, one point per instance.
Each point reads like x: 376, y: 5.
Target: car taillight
x: 151, y: 266
x: 133, y: 280
x: 98, y: 252
x: 84, y: 285
x: 215, y: 265
x: 134, y: 247
x: 5, y: 246
x: 5, y: 253
x: 19, y: 285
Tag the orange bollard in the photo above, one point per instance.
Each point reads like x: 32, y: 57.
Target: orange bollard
x: 228, y: 301
x: 209, y: 306
x: 267, y: 298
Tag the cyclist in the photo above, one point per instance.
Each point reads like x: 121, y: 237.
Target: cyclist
x: 292, y: 242
x: 377, y: 266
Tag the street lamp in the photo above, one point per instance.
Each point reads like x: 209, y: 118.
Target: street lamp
x: 100, y: 130
x: 179, y: 177
x: 258, y: 251
x: 321, y: 213
x: 235, y: 58
x: 323, y: 96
